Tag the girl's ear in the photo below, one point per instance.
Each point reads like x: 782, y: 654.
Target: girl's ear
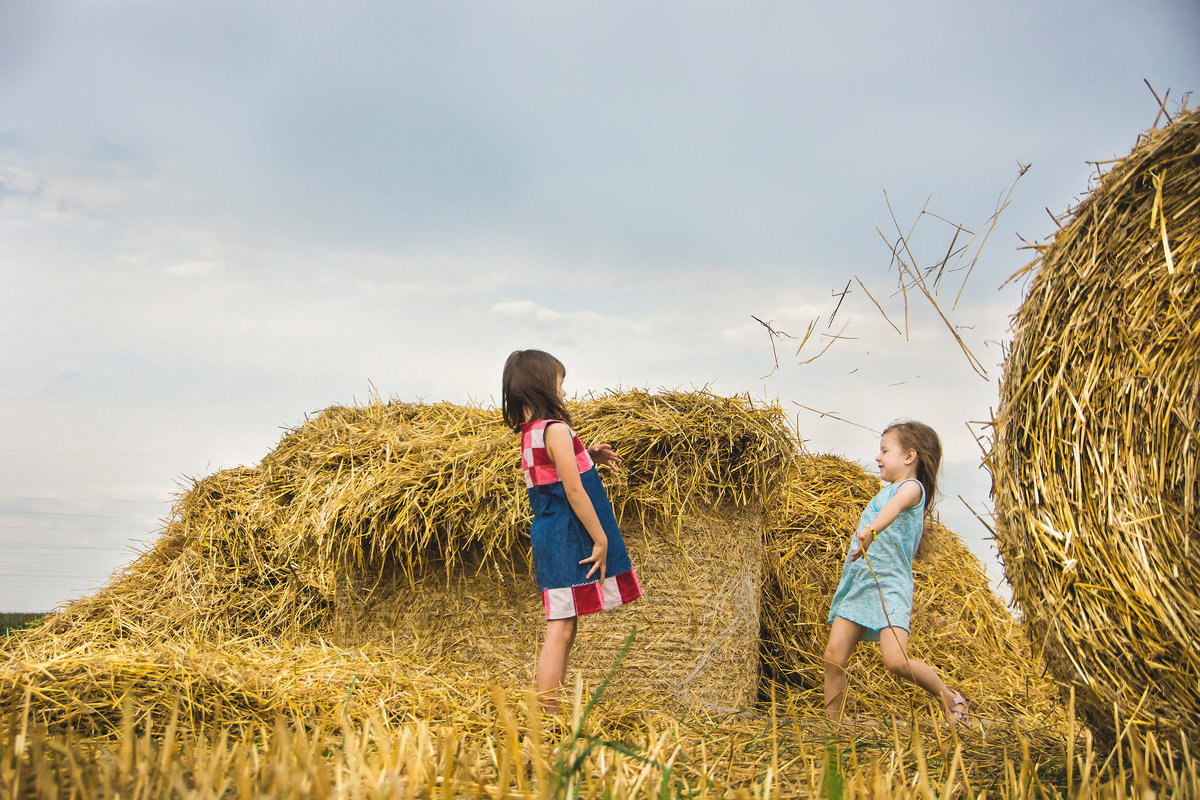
x: 910, y: 456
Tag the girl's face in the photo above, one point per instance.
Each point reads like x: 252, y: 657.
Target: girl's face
x: 562, y: 396
x: 894, y: 461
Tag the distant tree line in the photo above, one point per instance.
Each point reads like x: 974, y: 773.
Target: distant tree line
x: 11, y: 622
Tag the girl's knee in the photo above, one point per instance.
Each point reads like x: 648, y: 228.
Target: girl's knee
x: 896, y: 662
x: 561, y: 630
x: 835, y: 660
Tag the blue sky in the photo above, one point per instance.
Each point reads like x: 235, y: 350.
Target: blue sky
x: 216, y: 218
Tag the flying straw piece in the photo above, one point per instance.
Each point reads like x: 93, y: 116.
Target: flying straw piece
x: 991, y: 226
x: 832, y: 339
x: 876, y: 302
x: 975, y: 363
x: 807, y: 335
x: 905, y: 266
x: 775, y: 335
x: 832, y: 415
x: 841, y: 296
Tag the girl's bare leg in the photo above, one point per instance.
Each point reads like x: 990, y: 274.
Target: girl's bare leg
x: 893, y: 646
x: 552, y: 662
x: 844, y: 636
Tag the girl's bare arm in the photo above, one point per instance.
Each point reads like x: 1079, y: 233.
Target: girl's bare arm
x: 562, y: 453
x: 908, y: 495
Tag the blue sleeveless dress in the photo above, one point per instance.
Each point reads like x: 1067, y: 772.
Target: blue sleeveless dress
x: 560, y: 540
x: 857, y: 597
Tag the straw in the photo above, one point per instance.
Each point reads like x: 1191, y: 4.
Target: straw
x: 376, y: 564
x: 1096, y: 457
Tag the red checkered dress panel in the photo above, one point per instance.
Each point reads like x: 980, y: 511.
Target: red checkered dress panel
x: 535, y: 460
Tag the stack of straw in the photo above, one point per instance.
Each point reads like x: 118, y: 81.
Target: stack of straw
x: 378, y: 558
x: 1096, y: 459
x: 405, y: 526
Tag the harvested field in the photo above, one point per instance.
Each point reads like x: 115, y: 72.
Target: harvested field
x: 14, y: 621
x: 287, y: 620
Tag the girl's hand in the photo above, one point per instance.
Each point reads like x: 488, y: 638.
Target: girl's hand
x: 604, y: 454
x: 597, y: 558
x: 865, y: 537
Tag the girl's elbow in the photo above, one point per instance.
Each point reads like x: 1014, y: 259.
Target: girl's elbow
x: 578, y: 498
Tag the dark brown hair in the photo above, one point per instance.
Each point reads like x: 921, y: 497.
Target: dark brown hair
x: 918, y: 436
x: 529, y: 388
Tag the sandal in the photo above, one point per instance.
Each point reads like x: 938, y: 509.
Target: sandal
x: 961, y: 716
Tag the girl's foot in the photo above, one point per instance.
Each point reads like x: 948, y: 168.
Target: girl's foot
x: 958, y: 710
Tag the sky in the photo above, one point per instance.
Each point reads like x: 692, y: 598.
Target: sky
x: 219, y: 218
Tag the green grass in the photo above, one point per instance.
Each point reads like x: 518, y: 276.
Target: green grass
x: 11, y: 622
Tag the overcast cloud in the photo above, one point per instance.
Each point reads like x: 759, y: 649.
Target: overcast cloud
x: 216, y: 218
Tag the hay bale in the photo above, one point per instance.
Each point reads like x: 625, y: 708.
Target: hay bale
x: 363, y: 511
x: 697, y: 626
x: 690, y: 499
x: 1096, y: 458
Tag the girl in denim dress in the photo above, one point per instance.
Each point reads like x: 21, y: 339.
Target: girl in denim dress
x: 579, y: 557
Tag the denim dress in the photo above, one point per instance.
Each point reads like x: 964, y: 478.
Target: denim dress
x: 559, y: 539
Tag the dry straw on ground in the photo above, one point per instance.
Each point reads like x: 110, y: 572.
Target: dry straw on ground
x: 1096, y: 458
x: 375, y: 564
x: 372, y: 756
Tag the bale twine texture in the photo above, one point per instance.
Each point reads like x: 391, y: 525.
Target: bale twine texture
x: 1096, y: 455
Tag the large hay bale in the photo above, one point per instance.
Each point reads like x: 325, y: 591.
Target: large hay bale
x: 1096, y: 458
x: 443, y: 559
x: 697, y: 626
x: 367, y: 524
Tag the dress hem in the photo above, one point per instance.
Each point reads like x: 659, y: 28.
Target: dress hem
x: 588, y: 598
x: 871, y: 633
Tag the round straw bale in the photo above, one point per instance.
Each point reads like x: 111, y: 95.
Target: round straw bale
x: 1096, y: 457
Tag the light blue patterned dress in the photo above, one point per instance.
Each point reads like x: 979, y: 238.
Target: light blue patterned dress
x: 857, y: 597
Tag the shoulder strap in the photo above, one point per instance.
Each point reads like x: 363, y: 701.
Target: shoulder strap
x: 921, y: 485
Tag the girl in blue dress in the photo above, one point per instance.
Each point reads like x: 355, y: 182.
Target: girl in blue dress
x: 873, y: 601
x: 579, y: 558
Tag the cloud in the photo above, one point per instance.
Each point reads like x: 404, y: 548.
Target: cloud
x: 529, y: 311
x: 193, y: 267
x: 215, y: 223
